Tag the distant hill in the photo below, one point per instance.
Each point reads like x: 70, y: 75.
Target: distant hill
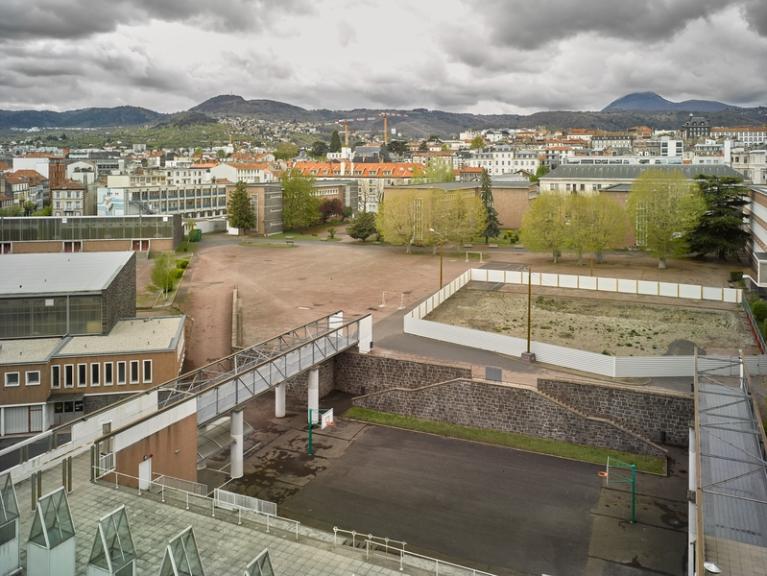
x: 231, y: 105
x: 184, y: 119
x: 83, y: 118
x: 652, y: 102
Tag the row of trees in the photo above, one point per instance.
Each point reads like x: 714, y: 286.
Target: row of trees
x: 669, y: 214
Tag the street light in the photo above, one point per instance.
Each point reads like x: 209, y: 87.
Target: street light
x: 433, y: 231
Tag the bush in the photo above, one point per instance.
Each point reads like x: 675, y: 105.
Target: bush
x: 511, y: 236
x: 182, y: 263
x: 759, y: 309
x: 178, y: 273
x: 736, y: 276
x: 331, y: 233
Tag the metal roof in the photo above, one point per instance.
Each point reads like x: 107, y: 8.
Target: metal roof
x: 634, y: 171
x: 135, y: 335
x: 59, y: 273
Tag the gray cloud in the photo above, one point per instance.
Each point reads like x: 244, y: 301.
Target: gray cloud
x: 81, y: 18
x: 756, y: 14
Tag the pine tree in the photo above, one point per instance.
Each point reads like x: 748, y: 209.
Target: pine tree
x: 241, y: 213
x: 720, y: 230
x: 492, y: 226
x: 335, y: 142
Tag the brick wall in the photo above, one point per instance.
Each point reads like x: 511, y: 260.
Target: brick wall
x: 653, y: 414
x: 365, y: 373
x: 505, y: 408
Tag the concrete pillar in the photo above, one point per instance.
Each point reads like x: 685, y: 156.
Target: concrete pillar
x: 313, y: 402
x: 235, y: 453
x: 279, y: 401
x: 365, y: 343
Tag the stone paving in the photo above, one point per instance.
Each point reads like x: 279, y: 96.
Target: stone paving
x: 225, y: 548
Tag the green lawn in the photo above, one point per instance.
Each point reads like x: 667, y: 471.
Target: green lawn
x: 590, y: 454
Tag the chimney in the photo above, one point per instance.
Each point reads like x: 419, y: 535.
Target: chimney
x: 386, y: 128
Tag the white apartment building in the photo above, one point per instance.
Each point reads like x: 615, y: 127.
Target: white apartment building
x: 69, y: 199
x: 504, y: 159
x: 747, y: 135
x: 248, y: 172
x: 752, y: 164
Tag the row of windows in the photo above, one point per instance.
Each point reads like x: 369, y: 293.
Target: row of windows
x: 106, y: 374
x: 31, y: 378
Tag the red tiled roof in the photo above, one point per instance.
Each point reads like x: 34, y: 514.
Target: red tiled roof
x: 70, y: 185
x: 359, y: 169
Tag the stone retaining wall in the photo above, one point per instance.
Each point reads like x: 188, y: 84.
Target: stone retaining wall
x: 296, y: 387
x: 659, y: 416
x: 360, y: 374
x: 506, y: 408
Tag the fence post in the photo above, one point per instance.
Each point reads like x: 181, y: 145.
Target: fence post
x: 162, y: 493
x: 401, y: 558
x: 335, y: 536
x: 367, y: 549
x: 267, y: 523
x: 213, y: 508
x: 187, y: 500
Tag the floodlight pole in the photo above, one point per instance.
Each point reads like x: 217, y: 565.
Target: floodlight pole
x: 309, y: 447
x: 529, y: 306
x: 440, y: 266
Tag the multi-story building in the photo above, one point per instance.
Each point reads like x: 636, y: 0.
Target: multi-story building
x: 69, y: 339
x: 611, y: 140
x: 505, y: 159
x: 70, y: 198
x: 696, y: 127
x: 90, y: 234
x: 248, y: 172
x: 746, y: 135
x: 371, y: 177
x: 752, y: 164
x: 266, y: 200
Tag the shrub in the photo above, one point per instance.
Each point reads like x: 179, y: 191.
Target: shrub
x: 178, y: 273
x: 182, y: 263
x: 511, y: 236
x: 759, y: 309
x: 331, y: 233
x: 736, y: 275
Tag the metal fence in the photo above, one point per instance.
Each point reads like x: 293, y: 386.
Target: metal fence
x: 181, y: 484
x: 232, y: 501
x: 395, y: 552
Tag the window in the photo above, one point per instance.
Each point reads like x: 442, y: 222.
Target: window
x: 120, y: 373
x: 134, y: 371
x: 108, y: 378
x: 82, y: 375
x: 55, y: 376
x: 32, y: 378
x: 96, y: 374
x: 69, y: 376
x: 11, y: 379
x: 147, y: 371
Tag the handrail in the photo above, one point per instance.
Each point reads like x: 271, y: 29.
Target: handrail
x: 191, y: 497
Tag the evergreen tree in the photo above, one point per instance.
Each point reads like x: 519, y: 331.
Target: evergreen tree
x: 241, y: 213
x: 492, y: 226
x: 335, y: 142
x: 363, y: 226
x: 720, y: 231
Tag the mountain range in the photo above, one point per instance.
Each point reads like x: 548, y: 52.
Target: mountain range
x: 641, y: 108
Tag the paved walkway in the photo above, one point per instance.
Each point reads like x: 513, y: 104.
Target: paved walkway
x: 225, y: 548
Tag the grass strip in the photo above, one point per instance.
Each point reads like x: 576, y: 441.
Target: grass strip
x: 651, y: 464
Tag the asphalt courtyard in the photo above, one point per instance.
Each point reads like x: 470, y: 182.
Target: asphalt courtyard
x: 488, y: 507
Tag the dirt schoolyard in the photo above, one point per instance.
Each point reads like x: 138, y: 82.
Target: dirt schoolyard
x: 621, y: 325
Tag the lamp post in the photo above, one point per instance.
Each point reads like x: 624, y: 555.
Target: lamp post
x: 439, y: 247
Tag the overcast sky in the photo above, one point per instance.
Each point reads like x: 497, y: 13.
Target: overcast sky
x: 488, y: 56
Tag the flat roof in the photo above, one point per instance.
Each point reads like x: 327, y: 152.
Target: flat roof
x: 634, y: 171
x: 441, y: 186
x: 134, y: 335
x: 59, y: 273
x: 28, y: 350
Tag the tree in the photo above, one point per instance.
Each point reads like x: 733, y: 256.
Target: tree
x: 363, y: 226
x: 456, y: 217
x: 544, y: 223
x: 331, y: 207
x: 241, y: 213
x: 163, y: 273
x: 540, y: 172
x: 665, y: 207
x: 335, y: 142
x: 492, y: 226
x: 477, y: 143
x: 435, y: 171
x: 29, y: 207
x: 319, y: 149
x: 398, y: 147
x: 594, y: 224
x: 720, y: 231
x: 285, y: 151
x: 396, y: 219
x: 14, y: 210
x: 423, y: 146
x: 220, y: 154
x: 300, y: 207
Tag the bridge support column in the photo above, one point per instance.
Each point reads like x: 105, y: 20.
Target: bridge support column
x: 365, y: 335
x: 279, y: 401
x: 313, y: 402
x: 235, y: 453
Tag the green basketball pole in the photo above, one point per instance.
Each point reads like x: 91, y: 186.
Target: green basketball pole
x: 633, y: 493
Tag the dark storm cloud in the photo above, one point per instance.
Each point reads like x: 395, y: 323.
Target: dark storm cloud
x: 529, y: 25
x: 756, y: 14
x: 81, y: 18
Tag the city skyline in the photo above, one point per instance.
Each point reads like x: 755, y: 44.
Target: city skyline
x: 459, y: 55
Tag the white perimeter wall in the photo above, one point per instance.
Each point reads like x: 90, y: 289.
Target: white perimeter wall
x: 613, y: 366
